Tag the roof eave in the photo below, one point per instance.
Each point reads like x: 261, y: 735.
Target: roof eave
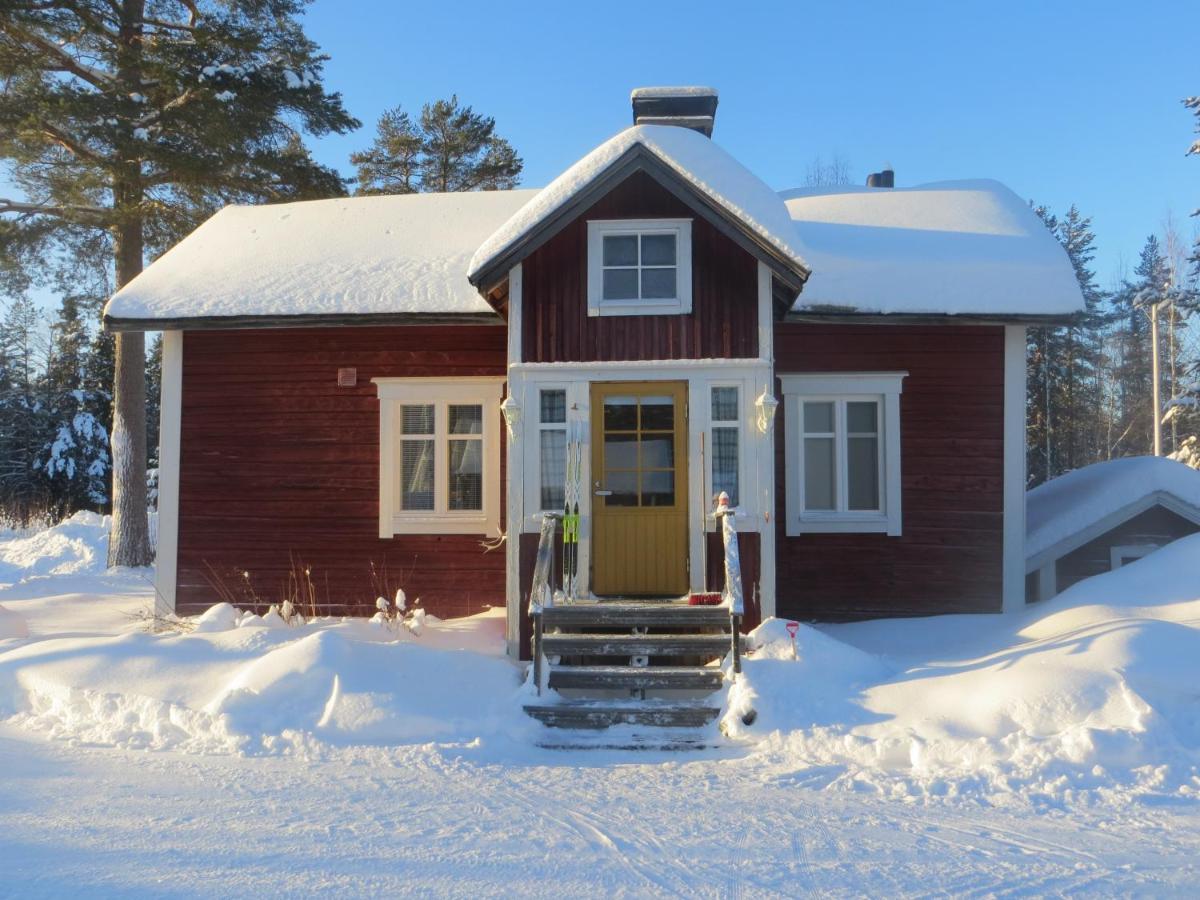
x: 638, y: 158
x: 903, y: 318
x: 304, y: 320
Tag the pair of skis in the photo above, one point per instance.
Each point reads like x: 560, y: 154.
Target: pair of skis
x: 574, y: 474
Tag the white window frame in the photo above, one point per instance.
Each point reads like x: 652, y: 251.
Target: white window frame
x: 1133, y: 552
x: 547, y: 426
x: 440, y: 393
x: 841, y: 388
x: 741, y: 424
x: 598, y: 229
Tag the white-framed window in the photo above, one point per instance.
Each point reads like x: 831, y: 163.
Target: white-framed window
x: 439, y: 455
x: 552, y: 448
x: 842, y: 449
x: 1124, y: 554
x: 639, y: 267
x: 725, y: 441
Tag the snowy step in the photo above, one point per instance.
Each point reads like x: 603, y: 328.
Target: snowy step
x: 641, y: 740
x: 636, y: 644
x: 618, y: 615
x: 629, y: 677
x: 593, y: 714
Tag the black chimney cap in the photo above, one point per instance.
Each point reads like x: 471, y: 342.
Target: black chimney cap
x: 884, y: 179
x: 686, y: 107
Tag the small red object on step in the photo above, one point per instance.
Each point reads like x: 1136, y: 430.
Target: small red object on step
x: 710, y: 598
x: 792, y: 628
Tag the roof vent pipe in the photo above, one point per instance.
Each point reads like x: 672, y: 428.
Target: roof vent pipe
x: 884, y: 179
x: 685, y: 107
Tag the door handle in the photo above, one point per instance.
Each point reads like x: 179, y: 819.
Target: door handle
x: 603, y: 493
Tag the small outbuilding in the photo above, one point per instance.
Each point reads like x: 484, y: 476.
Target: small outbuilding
x: 1104, y: 516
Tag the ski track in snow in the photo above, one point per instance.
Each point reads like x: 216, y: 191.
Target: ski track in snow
x: 433, y: 820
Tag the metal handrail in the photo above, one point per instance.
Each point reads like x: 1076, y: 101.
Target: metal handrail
x: 733, y: 599
x: 541, y: 591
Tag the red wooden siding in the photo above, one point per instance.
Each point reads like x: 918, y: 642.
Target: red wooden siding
x: 724, y: 318
x: 280, y: 466
x: 948, y: 558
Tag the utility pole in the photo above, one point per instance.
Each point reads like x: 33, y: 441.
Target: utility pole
x: 1154, y: 375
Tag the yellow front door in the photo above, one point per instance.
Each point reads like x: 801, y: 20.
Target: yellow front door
x: 639, y: 502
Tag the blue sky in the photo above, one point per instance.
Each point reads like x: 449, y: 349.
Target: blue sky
x: 1063, y: 101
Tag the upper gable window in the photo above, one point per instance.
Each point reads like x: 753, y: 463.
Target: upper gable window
x: 639, y: 267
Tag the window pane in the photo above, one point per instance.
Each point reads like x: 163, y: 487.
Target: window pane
x: 862, y: 461
x: 620, y: 414
x: 554, y: 406
x: 818, y: 472
x: 620, y: 284
x: 624, y: 488
x: 416, y: 419
x: 553, y: 468
x: 658, y: 283
x: 861, y: 418
x: 658, y: 451
x: 658, y: 489
x: 416, y: 474
x: 466, y: 419
x: 818, y: 418
x: 621, y: 250
x: 658, y: 414
x: 620, y: 451
x: 658, y: 249
x: 725, y: 461
x: 724, y: 404
x: 466, y: 474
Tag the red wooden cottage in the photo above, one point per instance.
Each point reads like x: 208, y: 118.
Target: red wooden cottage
x: 847, y: 364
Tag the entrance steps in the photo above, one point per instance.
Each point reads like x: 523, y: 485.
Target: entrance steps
x: 633, y: 675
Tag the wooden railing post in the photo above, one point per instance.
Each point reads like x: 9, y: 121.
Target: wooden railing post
x: 733, y: 577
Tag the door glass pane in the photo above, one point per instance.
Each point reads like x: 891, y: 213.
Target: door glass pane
x: 818, y: 418
x: 862, y: 461
x: 658, y: 451
x: 466, y: 474
x: 658, y: 249
x: 416, y: 419
x: 620, y: 451
x: 621, y: 250
x: 620, y: 414
x: 658, y: 414
x: 658, y: 284
x: 416, y: 474
x: 553, y: 467
x: 554, y: 406
x: 624, y: 488
x: 724, y: 404
x: 620, y: 284
x: 725, y: 463
x: 818, y: 472
x: 861, y: 418
x: 658, y: 488
x: 466, y: 419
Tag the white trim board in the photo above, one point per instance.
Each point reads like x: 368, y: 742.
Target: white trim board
x: 170, y: 423
x: 1012, y: 590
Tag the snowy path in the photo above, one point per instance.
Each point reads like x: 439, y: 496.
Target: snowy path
x: 421, y: 820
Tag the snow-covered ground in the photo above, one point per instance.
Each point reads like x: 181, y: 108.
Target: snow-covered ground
x: 1055, y: 752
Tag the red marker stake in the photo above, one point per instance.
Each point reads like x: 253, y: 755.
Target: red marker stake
x: 792, y: 628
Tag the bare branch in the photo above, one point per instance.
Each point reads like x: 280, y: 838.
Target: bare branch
x: 67, y: 63
x: 96, y: 213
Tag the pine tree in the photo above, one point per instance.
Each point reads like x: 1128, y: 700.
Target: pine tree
x: 22, y: 411
x: 451, y: 148
x: 135, y: 119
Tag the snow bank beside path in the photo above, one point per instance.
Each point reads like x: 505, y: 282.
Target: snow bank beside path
x: 1095, y: 691
x: 76, y: 546
x: 12, y: 625
x: 259, y: 689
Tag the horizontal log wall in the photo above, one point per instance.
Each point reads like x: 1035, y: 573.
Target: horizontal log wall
x: 280, y: 469
x: 724, y: 318
x: 948, y: 558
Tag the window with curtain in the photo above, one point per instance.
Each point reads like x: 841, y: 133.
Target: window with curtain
x: 725, y: 441
x: 552, y: 436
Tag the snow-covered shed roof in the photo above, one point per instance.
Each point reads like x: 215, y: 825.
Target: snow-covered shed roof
x: 721, y: 183
x: 1068, y: 511
x: 367, y: 258
x: 946, y: 248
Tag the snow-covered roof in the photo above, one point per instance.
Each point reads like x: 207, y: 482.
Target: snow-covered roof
x: 1075, y: 508
x: 699, y: 162
x: 953, y: 247
x: 384, y: 256
x: 657, y: 93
